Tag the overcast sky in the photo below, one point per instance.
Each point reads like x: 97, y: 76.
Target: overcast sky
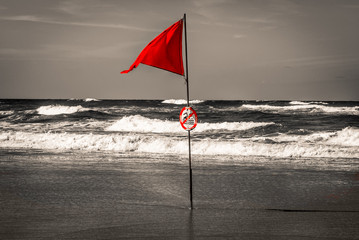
x: 237, y: 49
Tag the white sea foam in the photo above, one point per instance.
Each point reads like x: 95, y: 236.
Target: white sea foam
x: 182, y: 101
x: 348, y: 136
x: 300, y: 108
x: 329, y: 147
x: 91, y: 100
x: 231, y: 126
x: 59, y: 109
x: 306, y: 103
x: 248, y: 148
x: 137, y: 123
x: 298, y: 103
x: 62, y: 141
x: 2, y: 113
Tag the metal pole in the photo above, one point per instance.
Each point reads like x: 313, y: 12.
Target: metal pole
x: 186, y: 78
x: 189, y: 132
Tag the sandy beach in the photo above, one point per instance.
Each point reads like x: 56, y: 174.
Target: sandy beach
x: 54, y: 196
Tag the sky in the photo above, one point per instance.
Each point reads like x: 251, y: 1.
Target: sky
x: 237, y: 49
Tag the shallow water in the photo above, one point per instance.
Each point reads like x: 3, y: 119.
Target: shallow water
x: 87, y: 196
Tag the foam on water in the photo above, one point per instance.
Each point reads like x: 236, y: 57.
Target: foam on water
x: 91, y: 100
x: 348, y: 136
x: 182, y: 101
x: 305, y: 103
x: 4, y: 113
x: 59, y: 109
x: 298, y: 103
x: 63, y: 141
x: 303, y: 108
x: 138, y: 123
x: 329, y: 146
x: 227, y: 129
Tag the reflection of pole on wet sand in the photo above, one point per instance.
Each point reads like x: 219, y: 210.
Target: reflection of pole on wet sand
x: 190, y: 225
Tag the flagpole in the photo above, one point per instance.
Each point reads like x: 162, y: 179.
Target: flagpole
x: 189, y: 132
x: 185, y: 33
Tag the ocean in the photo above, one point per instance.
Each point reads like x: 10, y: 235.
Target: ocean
x: 74, y: 164
x: 322, y: 134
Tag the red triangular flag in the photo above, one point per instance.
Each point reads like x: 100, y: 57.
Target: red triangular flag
x: 165, y: 51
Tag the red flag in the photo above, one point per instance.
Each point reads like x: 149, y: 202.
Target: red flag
x: 165, y: 51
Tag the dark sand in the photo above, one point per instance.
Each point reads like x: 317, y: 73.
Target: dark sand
x: 52, y: 197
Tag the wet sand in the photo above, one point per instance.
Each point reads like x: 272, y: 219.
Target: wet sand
x: 68, y: 199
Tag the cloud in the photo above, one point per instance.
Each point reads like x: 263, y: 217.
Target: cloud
x: 237, y: 36
x: 89, y: 7
x: 21, y: 54
x: 66, y: 52
x: 70, y: 7
x: 354, y: 6
x: 9, y: 51
x: 31, y: 18
x: 319, y: 60
x: 22, y: 18
x: 237, y: 14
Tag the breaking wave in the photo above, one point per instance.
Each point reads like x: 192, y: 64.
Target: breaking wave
x: 182, y: 101
x: 91, y: 100
x: 4, y: 113
x: 306, y: 103
x: 302, y: 108
x: 59, y: 109
x: 138, y: 123
x: 339, y: 144
x: 348, y: 136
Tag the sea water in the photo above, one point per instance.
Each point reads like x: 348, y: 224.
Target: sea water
x: 321, y: 134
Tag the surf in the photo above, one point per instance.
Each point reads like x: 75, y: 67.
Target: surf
x: 182, y: 101
x: 307, y: 108
x: 138, y: 123
x: 338, y: 144
x: 59, y: 109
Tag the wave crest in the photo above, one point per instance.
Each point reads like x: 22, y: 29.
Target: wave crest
x: 182, y: 101
x: 4, y: 113
x: 59, y: 109
x: 330, y: 147
x: 138, y: 123
x: 349, y: 136
x: 306, y: 103
x: 302, y: 108
x: 91, y: 100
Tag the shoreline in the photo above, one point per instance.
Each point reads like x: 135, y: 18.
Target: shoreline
x: 96, y: 200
